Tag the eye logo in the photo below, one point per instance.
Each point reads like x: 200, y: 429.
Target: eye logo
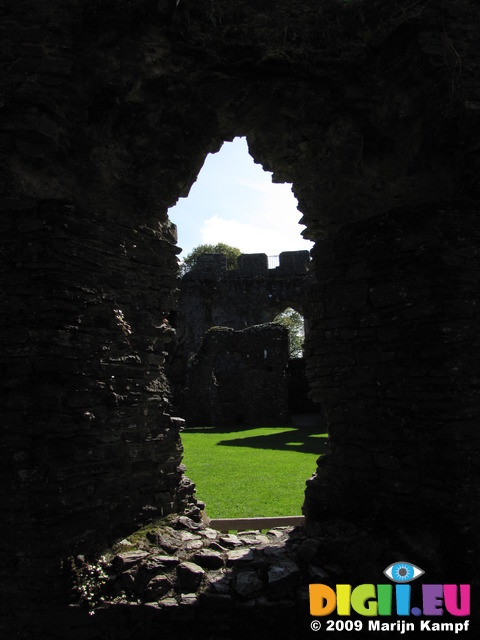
x: 403, y: 572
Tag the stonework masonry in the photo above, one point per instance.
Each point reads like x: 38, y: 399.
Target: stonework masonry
x: 251, y: 295
x: 211, y: 295
x: 239, y: 378
x: 371, y: 109
x: 187, y: 579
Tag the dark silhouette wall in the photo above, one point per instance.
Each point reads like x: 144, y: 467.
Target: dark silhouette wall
x: 239, y: 378
x: 108, y: 110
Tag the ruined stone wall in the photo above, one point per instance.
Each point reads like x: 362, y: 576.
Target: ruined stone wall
x: 89, y: 444
x: 405, y: 350
x: 239, y: 378
x: 210, y: 295
x: 371, y: 110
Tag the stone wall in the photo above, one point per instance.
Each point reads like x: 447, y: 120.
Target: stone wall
x: 108, y: 110
x: 210, y: 295
x: 239, y: 378
x: 404, y: 352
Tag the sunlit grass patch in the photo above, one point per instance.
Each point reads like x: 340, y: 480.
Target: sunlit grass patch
x: 251, y: 472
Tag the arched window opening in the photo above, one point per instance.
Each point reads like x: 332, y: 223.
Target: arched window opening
x: 295, y: 324
x: 231, y: 372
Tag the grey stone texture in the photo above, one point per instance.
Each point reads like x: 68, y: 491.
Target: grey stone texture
x: 189, y: 576
x: 249, y: 575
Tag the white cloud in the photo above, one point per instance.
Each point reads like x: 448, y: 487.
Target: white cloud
x: 271, y: 232
x: 270, y: 226
x: 234, y: 201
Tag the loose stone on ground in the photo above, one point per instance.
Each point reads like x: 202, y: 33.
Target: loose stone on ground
x: 185, y: 563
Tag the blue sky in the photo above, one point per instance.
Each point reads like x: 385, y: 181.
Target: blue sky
x: 234, y: 201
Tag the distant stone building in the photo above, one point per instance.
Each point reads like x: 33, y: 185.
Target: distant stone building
x: 239, y: 377
x: 211, y: 295
x: 238, y: 304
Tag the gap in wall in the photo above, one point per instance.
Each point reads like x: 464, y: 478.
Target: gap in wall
x: 234, y: 201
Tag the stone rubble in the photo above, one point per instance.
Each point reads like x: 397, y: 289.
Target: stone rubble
x: 188, y: 563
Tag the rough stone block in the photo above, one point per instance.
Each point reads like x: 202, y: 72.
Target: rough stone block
x: 189, y: 576
x: 283, y: 578
x: 247, y: 583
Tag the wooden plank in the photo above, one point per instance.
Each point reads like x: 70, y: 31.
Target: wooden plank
x: 242, y: 524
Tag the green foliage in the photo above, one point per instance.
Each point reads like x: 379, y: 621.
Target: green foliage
x: 293, y: 321
x: 238, y: 472
x: 190, y: 261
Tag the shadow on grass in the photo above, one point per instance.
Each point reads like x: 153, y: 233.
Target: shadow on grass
x: 302, y: 440
x: 235, y: 429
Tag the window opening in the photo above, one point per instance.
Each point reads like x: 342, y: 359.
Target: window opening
x: 238, y: 469
x: 295, y: 324
x: 235, y: 201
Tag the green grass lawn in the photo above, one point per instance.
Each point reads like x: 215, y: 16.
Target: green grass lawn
x: 251, y: 472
